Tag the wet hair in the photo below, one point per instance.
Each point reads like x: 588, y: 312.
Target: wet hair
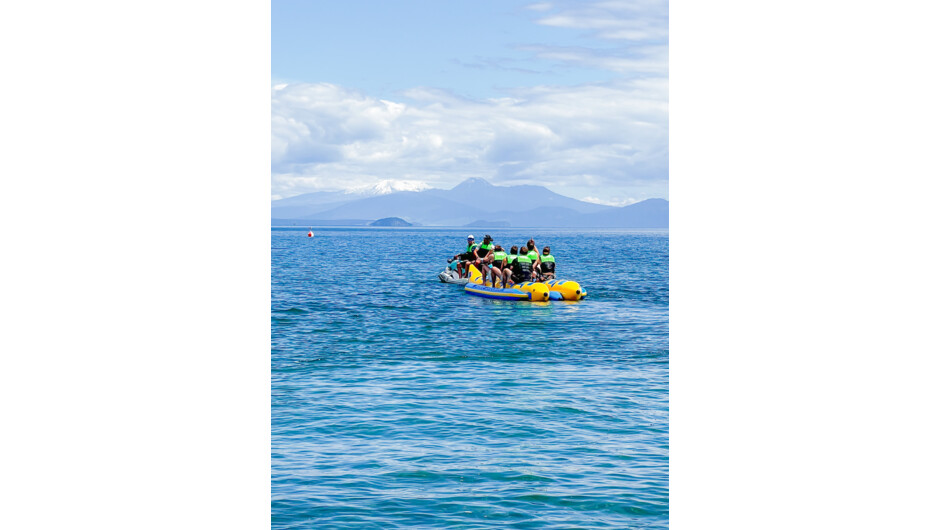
x: 498, y: 248
x: 514, y: 250
x: 546, y: 250
x: 530, y: 245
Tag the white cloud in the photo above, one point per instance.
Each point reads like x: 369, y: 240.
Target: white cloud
x: 634, y: 20
x: 635, y: 34
x: 613, y: 201
x: 607, y: 136
x: 329, y: 137
x: 638, y: 61
x: 541, y: 6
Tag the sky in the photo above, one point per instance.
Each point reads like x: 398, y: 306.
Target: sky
x: 569, y: 95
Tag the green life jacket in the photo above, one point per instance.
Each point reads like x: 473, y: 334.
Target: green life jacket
x: 499, y: 256
x: 511, y: 258
x: 484, y: 249
x: 533, y: 255
x: 522, y: 268
x: 548, y: 263
x: 470, y: 248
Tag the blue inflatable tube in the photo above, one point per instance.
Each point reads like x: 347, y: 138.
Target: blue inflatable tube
x: 497, y: 293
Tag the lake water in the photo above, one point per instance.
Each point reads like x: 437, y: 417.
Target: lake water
x: 398, y: 401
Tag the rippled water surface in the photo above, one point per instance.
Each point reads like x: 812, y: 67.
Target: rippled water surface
x: 401, y: 402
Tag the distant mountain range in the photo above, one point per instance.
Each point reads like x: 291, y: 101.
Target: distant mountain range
x: 468, y: 203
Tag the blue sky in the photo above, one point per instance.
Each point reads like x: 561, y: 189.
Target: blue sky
x: 570, y: 95
x: 476, y: 49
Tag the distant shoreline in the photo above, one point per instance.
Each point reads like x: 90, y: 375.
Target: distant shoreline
x: 305, y: 228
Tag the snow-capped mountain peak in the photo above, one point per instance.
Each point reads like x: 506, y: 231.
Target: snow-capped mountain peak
x: 384, y: 187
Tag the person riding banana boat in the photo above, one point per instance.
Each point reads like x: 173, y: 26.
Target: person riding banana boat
x: 483, y: 255
x: 522, y: 268
x: 497, y: 267
x: 547, y: 268
x: 531, y: 250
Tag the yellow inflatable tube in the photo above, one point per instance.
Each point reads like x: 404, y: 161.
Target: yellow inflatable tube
x: 539, y: 291
x: 532, y: 291
x: 569, y: 290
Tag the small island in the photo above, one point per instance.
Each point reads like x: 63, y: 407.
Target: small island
x: 390, y: 221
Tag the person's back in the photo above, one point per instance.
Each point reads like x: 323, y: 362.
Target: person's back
x: 507, y: 267
x: 498, y: 265
x: 548, y: 264
x: 522, y: 268
x: 533, y: 255
x: 513, y: 254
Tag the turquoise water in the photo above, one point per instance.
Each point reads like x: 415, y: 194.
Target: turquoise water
x: 401, y: 402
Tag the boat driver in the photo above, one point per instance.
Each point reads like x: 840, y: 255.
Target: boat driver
x: 465, y: 258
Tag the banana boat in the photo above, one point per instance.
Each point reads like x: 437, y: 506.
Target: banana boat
x: 530, y: 291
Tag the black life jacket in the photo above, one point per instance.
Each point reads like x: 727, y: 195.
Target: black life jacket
x: 521, y: 268
x: 548, y: 263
